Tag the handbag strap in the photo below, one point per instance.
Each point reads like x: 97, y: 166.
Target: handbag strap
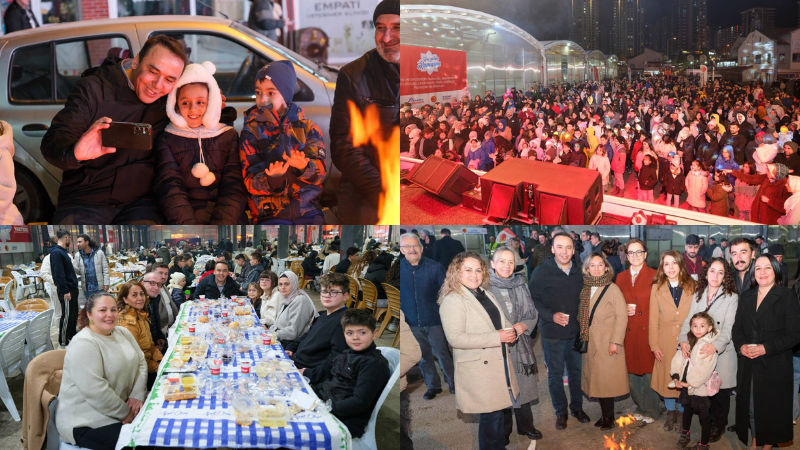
x: 594, y: 308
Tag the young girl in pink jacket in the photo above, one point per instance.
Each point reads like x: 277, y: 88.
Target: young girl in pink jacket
x: 618, y: 166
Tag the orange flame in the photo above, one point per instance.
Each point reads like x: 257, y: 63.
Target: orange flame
x: 366, y: 129
x: 610, y: 442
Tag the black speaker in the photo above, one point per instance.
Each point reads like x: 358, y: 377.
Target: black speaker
x: 444, y: 178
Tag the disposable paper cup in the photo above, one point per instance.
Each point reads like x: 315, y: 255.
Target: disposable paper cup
x: 632, y: 305
x: 245, y: 364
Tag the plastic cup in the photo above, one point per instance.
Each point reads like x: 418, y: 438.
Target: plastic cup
x: 214, y: 366
x: 266, y: 339
x: 245, y: 365
x: 632, y: 306
x: 245, y: 410
x: 192, y: 328
x: 202, y: 297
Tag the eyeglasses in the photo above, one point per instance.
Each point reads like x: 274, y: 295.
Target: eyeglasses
x: 153, y: 282
x: 407, y: 247
x: 329, y: 293
x: 636, y: 253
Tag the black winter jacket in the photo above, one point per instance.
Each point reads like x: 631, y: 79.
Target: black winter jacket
x: 356, y: 381
x: 674, y: 184
x: 369, y: 80
x: 63, y: 272
x: 377, y: 270
x: 181, y: 196
x: 648, y: 177
x: 15, y: 18
x: 208, y: 287
x: 114, y: 179
x: 554, y: 291
x: 445, y: 249
x: 322, y: 343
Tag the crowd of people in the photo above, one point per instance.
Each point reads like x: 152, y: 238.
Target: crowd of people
x: 707, y: 323
x: 117, y: 340
x: 199, y: 169
x: 727, y: 149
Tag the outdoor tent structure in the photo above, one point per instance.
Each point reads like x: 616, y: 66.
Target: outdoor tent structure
x: 596, y: 66
x: 566, y: 62
x: 500, y: 54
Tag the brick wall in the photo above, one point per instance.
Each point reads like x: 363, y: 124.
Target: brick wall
x: 94, y: 9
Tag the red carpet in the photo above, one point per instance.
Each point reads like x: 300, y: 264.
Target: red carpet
x: 419, y: 207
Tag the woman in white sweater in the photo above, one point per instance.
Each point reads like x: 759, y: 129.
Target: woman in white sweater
x: 296, y: 311
x: 272, y: 298
x: 104, y: 379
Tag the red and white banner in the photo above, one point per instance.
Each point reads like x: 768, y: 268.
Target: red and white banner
x: 429, y: 75
x: 504, y: 236
x: 15, y: 239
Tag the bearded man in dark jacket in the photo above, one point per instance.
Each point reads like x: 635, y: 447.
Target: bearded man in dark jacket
x: 373, y: 79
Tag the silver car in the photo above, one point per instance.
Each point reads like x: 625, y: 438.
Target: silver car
x: 43, y: 64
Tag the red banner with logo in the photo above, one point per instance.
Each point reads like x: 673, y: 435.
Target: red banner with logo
x: 15, y: 239
x: 428, y: 75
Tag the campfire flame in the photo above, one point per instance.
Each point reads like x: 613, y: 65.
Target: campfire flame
x: 611, y: 441
x: 366, y: 129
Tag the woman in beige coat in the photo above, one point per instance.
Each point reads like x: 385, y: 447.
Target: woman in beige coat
x: 670, y: 301
x: 605, y: 374
x: 479, y: 333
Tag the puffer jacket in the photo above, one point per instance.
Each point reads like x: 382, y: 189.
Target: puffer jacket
x: 181, y: 196
x: 116, y: 178
x: 699, y: 370
x: 100, y: 269
x: 138, y: 323
x: 369, y: 80
x: 265, y: 139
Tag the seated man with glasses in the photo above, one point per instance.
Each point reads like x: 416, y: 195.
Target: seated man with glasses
x: 158, y: 311
x: 313, y: 352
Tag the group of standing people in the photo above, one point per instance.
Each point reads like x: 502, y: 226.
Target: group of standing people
x: 688, y: 333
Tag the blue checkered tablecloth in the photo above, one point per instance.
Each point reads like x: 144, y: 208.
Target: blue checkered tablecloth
x: 209, y: 422
x: 7, y: 324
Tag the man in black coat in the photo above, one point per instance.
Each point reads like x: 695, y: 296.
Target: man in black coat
x: 736, y: 140
x: 555, y: 288
x: 18, y: 16
x: 446, y: 248
x: 102, y: 184
x: 373, y: 79
x: 220, y: 285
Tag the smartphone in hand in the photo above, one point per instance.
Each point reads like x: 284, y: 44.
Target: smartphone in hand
x: 134, y: 136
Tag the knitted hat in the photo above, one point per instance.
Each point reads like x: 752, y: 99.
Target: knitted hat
x: 793, y: 145
x: 781, y: 171
x: 197, y: 73
x: 176, y: 278
x: 282, y: 75
x: 386, y: 7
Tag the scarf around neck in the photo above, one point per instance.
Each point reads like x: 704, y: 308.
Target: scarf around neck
x: 522, y: 309
x: 586, y: 295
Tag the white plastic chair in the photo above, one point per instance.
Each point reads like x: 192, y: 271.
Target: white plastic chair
x: 12, y: 361
x: 23, y: 290
x: 6, y: 300
x: 54, y: 441
x: 367, y: 440
x: 37, y: 339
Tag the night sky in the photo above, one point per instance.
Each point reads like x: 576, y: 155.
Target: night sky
x: 550, y: 19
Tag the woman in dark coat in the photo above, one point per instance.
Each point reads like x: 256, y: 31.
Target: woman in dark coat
x: 766, y: 327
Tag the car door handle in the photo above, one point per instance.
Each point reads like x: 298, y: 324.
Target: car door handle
x: 35, y: 130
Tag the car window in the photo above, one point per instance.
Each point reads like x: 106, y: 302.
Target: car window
x: 31, y: 74
x: 74, y: 57
x: 236, y: 64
